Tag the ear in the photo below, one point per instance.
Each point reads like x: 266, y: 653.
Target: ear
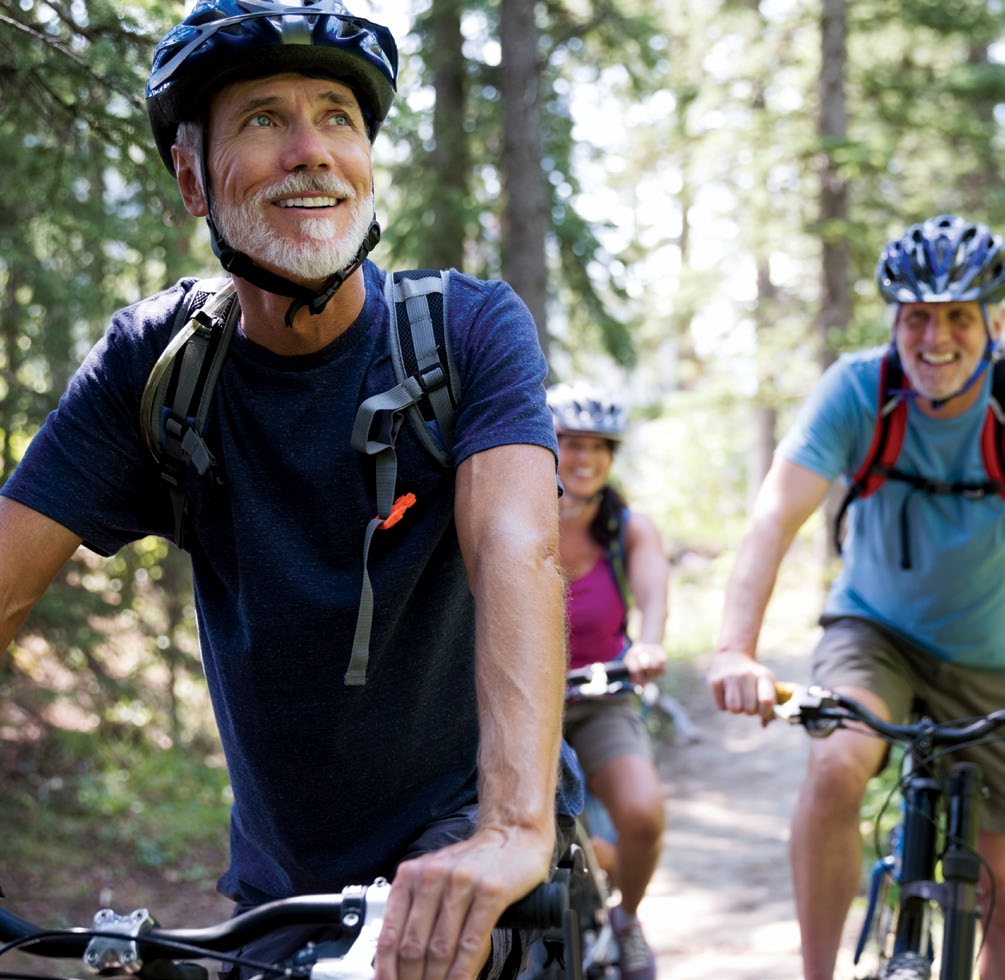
x: 189, y: 174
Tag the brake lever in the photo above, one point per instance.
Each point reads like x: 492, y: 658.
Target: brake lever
x: 802, y: 705
x: 357, y: 963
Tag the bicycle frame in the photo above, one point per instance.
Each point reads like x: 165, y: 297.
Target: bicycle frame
x: 935, y: 860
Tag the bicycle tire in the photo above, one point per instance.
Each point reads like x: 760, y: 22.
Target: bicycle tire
x: 909, y: 966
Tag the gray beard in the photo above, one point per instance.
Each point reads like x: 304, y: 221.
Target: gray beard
x: 320, y: 253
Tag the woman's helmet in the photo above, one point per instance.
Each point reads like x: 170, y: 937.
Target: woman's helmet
x: 584, y: 409
x: 941, y: 260
x: 222, y: 41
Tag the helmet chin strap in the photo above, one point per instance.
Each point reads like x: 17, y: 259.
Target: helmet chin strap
x: 243, y: 266
x: 978, y: 371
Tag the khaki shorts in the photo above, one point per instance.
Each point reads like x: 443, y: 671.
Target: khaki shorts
x: 858, y: 653
x: 602, y: 729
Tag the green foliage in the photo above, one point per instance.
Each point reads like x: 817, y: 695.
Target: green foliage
x: 116, y: 803
x: 90, y: 219
x: 574, y: 41
x: 682, y: 164
x: 111, y: 648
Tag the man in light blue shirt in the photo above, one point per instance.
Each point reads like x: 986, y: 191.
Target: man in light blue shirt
x: 918, y: 608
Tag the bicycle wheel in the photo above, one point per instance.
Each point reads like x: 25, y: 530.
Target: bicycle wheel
x: 909, y: 966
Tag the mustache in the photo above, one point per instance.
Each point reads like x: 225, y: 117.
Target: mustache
x: 294, y: 184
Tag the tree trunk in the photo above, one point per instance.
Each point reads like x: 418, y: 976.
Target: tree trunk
x: 450, y: 158
x: 835, y: 297
x: 525, y: 219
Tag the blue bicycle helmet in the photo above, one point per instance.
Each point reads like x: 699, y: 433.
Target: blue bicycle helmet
x: 222, y: 41
x: 941, y: 260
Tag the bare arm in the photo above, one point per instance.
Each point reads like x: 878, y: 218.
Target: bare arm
x: 649, y: 580
x: 789, y: 495
x: 507, y: 522
x: 506, y: 512
x: 34, y: 549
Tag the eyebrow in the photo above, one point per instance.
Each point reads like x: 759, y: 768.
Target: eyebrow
x: 332, y: 97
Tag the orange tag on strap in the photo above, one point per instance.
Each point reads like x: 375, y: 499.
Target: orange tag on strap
x: 397, y: 511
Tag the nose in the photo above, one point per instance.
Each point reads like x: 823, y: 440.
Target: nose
x: 938, y: 326
x: 306, y: 149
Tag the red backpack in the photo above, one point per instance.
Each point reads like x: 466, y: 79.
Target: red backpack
x: 880, y: 461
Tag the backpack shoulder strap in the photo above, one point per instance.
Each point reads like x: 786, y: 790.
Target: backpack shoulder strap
x: 887, y: 438
x: 428, y: 388
x: 993, y: 430
x: 617, y: 552
x: 421, y: 347
x: 891, y: 424
x: 179, y: 389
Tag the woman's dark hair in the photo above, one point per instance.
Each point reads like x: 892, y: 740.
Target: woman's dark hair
x: 606, y: 525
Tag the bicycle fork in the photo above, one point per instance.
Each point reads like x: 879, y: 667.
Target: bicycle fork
x: 961, y: 867
x: 956, y: 894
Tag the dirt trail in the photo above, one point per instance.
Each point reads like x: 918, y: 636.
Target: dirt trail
x: 720, y: 905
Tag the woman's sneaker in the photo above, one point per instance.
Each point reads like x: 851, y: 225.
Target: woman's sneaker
x: 635, y: 957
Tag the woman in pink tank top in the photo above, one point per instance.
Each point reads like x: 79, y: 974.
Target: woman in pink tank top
x: 610, y: 557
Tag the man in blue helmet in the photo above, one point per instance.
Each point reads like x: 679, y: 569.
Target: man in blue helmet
x: 438, y: 765
x: 918, y: 608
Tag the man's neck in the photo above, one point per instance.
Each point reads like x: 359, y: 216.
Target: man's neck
x: 263, y: 317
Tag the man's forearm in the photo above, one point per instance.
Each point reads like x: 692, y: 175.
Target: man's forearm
x: 747, y: 595
x: 521, y: 685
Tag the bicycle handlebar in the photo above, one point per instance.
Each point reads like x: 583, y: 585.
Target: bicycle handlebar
x: 597, y: 680
x: 821, y: 711
x: 128, y: 941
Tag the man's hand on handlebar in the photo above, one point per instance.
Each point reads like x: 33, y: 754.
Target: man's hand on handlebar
x: 742, y: 685
x: 645, y: 662
x: 444, y: 904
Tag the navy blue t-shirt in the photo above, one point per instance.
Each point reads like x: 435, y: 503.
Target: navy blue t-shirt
x: 331, y: 783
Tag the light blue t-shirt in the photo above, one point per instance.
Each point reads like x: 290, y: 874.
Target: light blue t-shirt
x: 951, y: 601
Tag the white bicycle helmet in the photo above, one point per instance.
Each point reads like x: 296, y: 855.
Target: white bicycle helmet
x: 584, y: 409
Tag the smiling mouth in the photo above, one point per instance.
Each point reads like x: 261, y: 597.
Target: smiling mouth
x: 938, y: 360
x: 309, y: 202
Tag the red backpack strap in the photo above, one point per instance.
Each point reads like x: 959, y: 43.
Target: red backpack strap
x: 887, y: 438
x: 891, y: 424
x: 993, y: 431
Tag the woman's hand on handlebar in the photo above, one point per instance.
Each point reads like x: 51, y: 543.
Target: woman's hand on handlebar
x: 645, y: 662
x: 742, y: 685
x: 443, y: 905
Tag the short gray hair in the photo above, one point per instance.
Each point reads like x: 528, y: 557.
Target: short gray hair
x: 190, y: 137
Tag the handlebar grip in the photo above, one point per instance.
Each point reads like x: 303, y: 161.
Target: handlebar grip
x: 543, y: 908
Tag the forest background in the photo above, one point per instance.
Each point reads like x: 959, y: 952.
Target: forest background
x: 689, y: 194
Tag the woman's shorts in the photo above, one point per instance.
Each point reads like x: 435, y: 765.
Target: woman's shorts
x: 603, y: 729
x: 859, y: 653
